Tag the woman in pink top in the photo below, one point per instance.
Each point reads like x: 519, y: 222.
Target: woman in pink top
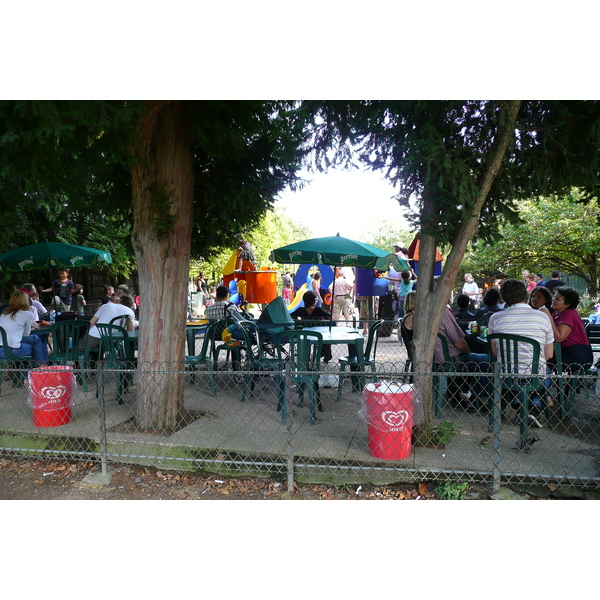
x: 569, y: 330
x: 530, y: 283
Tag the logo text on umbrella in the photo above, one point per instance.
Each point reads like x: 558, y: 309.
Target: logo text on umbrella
x: 348, y: 258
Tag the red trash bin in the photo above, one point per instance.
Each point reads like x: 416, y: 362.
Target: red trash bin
x: 389, y: 411
x: 50, y: 395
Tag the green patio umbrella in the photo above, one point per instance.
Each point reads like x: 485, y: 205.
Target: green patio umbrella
x: 337, y: 251
x: 47, y: 255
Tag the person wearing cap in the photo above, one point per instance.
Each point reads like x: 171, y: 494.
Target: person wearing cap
x: 245, y: 252
x: 555, y: 282
x: 401, y: 251
x: 539, y: 280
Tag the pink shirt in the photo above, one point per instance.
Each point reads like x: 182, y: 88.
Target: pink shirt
x: 571, y: 317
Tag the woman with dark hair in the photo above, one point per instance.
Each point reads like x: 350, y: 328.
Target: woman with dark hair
x: 541, y: 296
x: 491, y: 301
x: 316, y: 287
x: 310, y: 310
x: 16, y: 320
x: 568, y: 329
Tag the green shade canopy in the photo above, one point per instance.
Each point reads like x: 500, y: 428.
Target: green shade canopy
x: 338, y: 251
x: 51, y: 255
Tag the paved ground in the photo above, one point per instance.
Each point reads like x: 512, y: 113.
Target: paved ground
x: 254, y: 428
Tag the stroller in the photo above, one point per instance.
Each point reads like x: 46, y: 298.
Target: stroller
x: 273, y: 319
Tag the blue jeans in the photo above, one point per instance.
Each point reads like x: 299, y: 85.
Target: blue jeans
x: 594, y: 319
x: 475, y: 363
x: 31, y: 345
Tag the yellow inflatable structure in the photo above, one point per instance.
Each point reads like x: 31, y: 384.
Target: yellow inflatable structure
x: 297, y: 298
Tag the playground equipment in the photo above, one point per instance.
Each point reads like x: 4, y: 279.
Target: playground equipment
x: 255, y: 286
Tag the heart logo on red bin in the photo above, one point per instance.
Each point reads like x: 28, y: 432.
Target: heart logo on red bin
x: 395, y: 419
x: 53, y: 393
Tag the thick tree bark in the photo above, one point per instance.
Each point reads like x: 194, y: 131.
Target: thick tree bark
x: 163, y: 185
x: 433, y: 295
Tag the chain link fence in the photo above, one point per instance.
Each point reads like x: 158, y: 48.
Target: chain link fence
x: 258, y: 423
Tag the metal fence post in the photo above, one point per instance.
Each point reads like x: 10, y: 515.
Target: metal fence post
x: 102, y: 415
x: 496, y: 415
x: 290, y: 436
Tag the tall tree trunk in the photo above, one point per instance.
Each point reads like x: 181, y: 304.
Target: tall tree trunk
x: 163, y: 185
x: 433, y: 295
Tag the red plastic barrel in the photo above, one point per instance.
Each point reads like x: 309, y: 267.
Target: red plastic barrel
x: 389, y: 409
x: 51, y: 392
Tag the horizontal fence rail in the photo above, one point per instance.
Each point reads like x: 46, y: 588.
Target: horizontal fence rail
x: 374, y: 428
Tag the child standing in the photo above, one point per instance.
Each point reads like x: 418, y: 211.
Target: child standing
x: 78, y: 303
x: 288, y: 294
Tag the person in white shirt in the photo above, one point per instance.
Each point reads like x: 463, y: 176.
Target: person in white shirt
x: 16, y: 320
x: 342, y: 297
x: 471, y: 289
x: 105, y: 314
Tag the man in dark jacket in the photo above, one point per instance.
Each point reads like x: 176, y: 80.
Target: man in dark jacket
x: 554, y: 282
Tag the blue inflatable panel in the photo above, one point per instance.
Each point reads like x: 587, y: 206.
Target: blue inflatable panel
x: 368, y: 284
x: 302, y: 273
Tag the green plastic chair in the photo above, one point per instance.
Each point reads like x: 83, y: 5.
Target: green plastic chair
x: 352, y: 361
x: 66, y: 336
x: 257, y: 361
x: 22, y: 362
x: 204, y: 356
x: 567, y: 388
x: 304, y: 355
x: 117, y: 352
x: 121, y: 321
x: 593, y: 334
x: 442, y: 374
x: 233, y: 353
x: 519, y: 385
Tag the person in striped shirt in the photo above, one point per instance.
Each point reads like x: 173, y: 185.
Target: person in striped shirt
x: 521, y: 319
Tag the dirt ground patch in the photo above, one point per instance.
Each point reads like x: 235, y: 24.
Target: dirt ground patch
x: 65, y: 480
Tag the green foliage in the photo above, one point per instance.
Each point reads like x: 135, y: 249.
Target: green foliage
x: 384, y: 233
x: 275, y: 229
x: 65, y: 165
x: 452, y: 491
x: 436, y: 152
x: 557, y: 232
x: 444, y: 433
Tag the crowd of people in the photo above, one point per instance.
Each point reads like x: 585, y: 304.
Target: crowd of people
x: 545, y: 312
x: 25, y: 316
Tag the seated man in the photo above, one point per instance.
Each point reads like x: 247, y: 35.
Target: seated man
x: 463, y: 313
x: 222, y: 307
x: 521, y: 319
x: 104, y: 315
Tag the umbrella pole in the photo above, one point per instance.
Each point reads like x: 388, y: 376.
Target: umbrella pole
x: 52, y: 292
